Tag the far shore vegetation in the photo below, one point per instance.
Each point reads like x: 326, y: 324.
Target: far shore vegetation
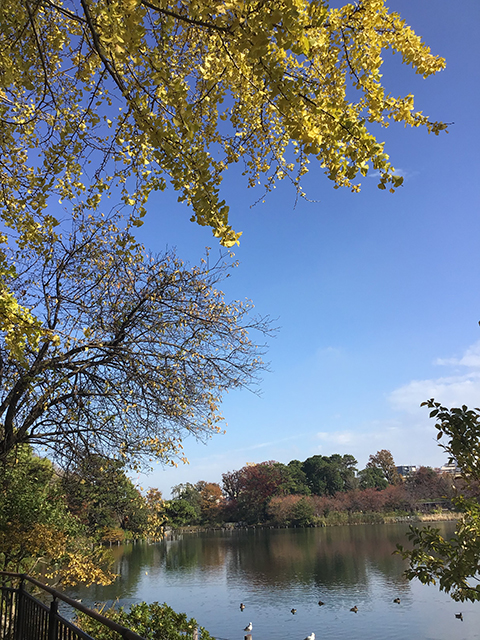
x: 57, y: 523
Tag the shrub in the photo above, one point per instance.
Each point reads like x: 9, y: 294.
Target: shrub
x: 152, y: 621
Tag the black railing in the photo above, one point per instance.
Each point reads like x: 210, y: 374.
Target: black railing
x: 25, y: 617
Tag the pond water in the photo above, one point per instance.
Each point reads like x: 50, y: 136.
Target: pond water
x: 208, y: 575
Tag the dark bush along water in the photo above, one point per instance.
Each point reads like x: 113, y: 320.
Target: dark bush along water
x: 208, y: 575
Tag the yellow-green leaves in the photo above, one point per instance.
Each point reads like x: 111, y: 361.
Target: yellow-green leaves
x: 103, y: 102
x: 38, y: 534
x: 187, y: 89
x: 18, y: 325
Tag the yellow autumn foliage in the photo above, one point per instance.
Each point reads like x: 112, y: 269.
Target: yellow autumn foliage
x: 37, y: 533
x: 103, y: 102
x: 117, y: 98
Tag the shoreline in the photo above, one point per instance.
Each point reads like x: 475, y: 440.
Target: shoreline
x: 352, y: 520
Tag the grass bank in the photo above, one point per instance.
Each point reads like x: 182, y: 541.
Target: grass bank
x: 333, y: 519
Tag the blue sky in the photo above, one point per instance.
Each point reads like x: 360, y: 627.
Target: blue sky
x: 376, y: 295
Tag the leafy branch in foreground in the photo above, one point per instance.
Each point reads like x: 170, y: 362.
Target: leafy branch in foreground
x: 453, y: 563
x: 102, y: 97
x: 135, y: 353
x: 108, y: 101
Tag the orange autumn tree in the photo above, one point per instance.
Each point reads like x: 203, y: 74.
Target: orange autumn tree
x: 211, y: 500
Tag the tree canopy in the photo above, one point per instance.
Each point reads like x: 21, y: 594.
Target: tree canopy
x: 38, y: 534
x: 252, y: 487
x: 383, y: 461
x: 103, y: 102
x: 329, y: 474
x: 117, y: 98
x: 102, y: 496
x: 134, y: 351
x: 325, y: 489
x: 372, y: 478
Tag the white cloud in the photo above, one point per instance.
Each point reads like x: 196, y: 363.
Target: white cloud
x: 398, y: 172
x: 336, y: 437
x: 451, y: 391
x: 329, y: 354
x: 471, y: 358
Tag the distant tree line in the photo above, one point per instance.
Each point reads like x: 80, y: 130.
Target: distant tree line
x: 309, y: 493
x: 53, y: 520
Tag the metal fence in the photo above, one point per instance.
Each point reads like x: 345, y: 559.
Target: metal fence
x: 23, y: 616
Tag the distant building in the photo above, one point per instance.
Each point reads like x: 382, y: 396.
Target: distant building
x: 406, y: 470
x: 451, y: 467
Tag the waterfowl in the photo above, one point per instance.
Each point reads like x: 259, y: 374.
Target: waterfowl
x: 321, y: 603
x: 354, y: 609
x: 459, y: 616
x: 242, y: 606
x: 249, y: 627
x: 396, y: 600
x: 294, y: 611
x: 310, y: 637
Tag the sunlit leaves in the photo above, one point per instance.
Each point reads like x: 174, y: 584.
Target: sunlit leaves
x: 104, y: 102
x: 18, y: 325
x: 38, y: 535
x: 117, y: 98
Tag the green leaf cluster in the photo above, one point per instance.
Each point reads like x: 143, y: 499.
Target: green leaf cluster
x: 151, y: 621
x: 99, y: 492
x: 453, y: 564
x: 38, y: 533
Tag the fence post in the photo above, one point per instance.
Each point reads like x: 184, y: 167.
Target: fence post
x: 52, y: 620
x: 20, y: 613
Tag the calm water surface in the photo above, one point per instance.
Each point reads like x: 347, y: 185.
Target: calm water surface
x: 272, y: 571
